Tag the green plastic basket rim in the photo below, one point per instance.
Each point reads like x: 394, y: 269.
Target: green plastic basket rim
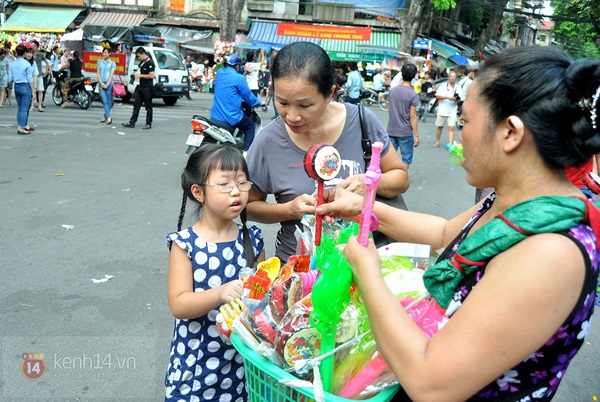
x: 254, y: 358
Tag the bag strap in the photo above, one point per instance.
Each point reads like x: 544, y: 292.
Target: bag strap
x: 365, y: 141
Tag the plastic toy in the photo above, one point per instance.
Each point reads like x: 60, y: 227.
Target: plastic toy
x: 372, y: 177
x: 456, y: 153
x: 331, y: 296
x: 322, y: 162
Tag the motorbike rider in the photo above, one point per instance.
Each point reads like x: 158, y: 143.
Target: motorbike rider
x: 230, y: 88
x: 75, y: 66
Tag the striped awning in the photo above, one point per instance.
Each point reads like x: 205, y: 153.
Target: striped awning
x: 112, y: 19
x: 443, y: 49
x: 264, y: 34
x: 41, y: 19
x: 382, y: 44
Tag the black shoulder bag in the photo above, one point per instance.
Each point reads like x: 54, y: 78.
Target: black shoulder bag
x: 396, y: 201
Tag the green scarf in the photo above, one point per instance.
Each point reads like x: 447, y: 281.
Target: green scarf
x: 547, y: 214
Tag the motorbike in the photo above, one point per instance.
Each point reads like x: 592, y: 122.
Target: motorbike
x: 205, y: 130
x: 93, y: 88
x: 369, y: 97
x: 77, y: 93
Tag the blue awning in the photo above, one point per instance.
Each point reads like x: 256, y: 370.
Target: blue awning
x: 443, y: 49
x: 264, y: 34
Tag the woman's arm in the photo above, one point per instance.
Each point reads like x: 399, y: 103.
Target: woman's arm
x: 111, y: 76
x: 503, y: 321
x: 259, y: 210
x: 404, y: 226
x: 183, y: 301
x: 99, y: 76
x: 394, y: 175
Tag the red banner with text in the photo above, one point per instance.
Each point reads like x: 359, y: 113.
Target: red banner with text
x: 324, y: 31
x: 90, y: 61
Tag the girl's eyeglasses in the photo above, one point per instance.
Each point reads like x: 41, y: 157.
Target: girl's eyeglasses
x: 226, y: 187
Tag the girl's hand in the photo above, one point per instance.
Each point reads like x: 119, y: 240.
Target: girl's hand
x: 230, y: 290
x: 365, y: 261
x: 340, y: 203
x: 355, y: 184
x: 302, y: 205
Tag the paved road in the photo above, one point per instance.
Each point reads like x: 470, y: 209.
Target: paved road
x: 82, y: 200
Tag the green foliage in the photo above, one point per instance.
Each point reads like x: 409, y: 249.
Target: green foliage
x: 472, y: 14
x: 578, y: 39
x: 443, y: 4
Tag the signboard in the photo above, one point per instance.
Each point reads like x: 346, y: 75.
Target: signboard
x: 56, y: 2
x: 352, y: 56
x: 90, y: 61
x: 324, y: 31
x: 177, y: 5
x: 420, y: 44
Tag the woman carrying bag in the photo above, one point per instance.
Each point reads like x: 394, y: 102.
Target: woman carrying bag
x: 106, y: 71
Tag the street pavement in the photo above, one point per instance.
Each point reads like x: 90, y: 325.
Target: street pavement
x: 85, y: 211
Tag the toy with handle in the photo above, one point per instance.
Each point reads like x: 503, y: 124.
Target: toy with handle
x: 331, y: 296
x: 372, y: 177
x: 322, y: 162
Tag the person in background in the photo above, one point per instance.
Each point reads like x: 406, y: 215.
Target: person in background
x: 402, y: 126
x: 41, y: 64
x: 143, y: 92
x: 11, y: 58
x: 3, y: 76
x: 75, y: 68
x: 231, y: 89
x: 354, y: 84
x: 304, y: 83
x: 34, y: 72
x: 518, y: 273
x: 378, y: 81
x: 204, y: 266
x: 48, y: 78
x: 105, y: 73
x: 251, y: 70
x: 188, y: 66
x: 199, y: 73
x: 449, y: 95
x: 55, y: 61
x: 21, y: 74
x: 209, y: 77
x: 427, y: 92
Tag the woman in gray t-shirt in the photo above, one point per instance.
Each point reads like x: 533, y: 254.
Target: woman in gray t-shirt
x: 304, y: 82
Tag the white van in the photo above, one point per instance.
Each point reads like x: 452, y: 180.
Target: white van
x: 170, y: 74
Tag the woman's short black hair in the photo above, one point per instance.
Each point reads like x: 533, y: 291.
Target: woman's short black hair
x: 553, y: 96
x: 307, y: 61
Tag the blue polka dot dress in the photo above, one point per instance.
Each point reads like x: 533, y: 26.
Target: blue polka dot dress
x: 201, y: 366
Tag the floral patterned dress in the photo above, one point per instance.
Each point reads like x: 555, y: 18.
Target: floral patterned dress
x: 537, y: 377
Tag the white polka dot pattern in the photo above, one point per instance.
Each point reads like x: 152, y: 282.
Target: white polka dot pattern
x: 201, y: 366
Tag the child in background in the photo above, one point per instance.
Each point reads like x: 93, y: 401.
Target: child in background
x: 203, y: 274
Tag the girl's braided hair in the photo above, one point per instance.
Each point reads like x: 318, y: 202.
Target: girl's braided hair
x: 199, y: 166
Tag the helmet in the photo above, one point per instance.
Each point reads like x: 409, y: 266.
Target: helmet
x: 233, y: 59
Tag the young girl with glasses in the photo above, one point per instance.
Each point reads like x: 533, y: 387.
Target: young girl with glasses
x: 203, y: 274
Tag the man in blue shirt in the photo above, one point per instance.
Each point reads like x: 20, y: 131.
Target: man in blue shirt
x: 354, y: 84
x: 230, y: 89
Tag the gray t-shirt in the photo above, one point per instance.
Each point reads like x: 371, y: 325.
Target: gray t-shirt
x: 276, y: 165
x: 401, y: 99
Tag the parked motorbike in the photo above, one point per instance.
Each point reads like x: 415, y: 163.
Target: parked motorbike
x: 205, y: 130
x: 93, y: 88
x: 77, y: 93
